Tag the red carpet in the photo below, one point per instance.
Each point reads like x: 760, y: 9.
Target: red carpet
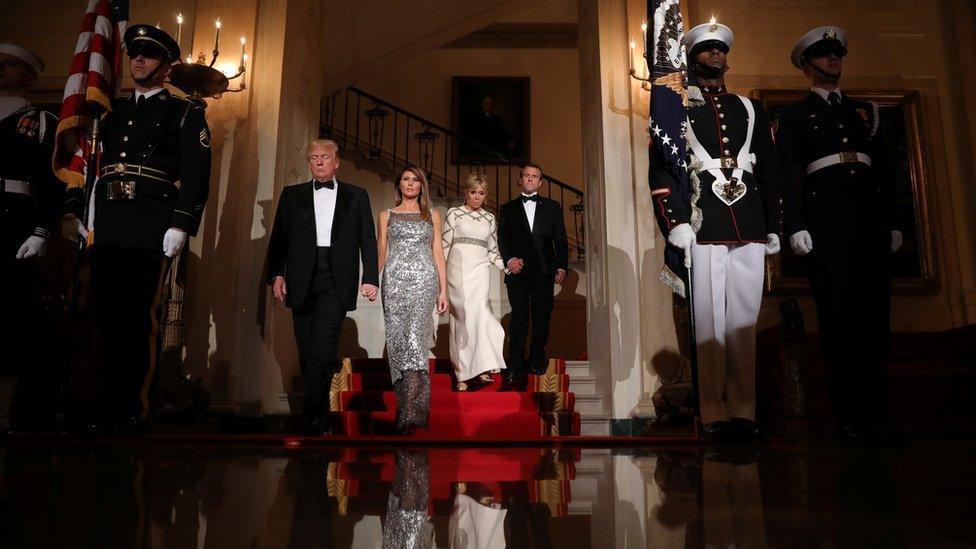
x: 363, y: 404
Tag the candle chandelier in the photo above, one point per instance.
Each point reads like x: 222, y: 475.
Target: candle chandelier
x: 200, y: 79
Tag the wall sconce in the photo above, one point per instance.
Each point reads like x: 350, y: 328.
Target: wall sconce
x: 426, y: 138
x: 377, y: 122
x: 644, y: 80
x: 199, y: 79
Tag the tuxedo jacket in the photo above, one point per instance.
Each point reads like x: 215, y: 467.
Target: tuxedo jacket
x: 543, y: 246
x: 292, y: 249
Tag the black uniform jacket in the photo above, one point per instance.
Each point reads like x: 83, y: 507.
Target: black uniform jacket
x: 543, y: 246
x: 721, y: 127
x: 26, y: 147
x: 845, y: 200
x: 292, y: 248
x: 163, y: 145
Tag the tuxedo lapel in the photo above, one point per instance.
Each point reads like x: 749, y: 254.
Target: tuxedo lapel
x: 521, y: 215
x: 306, y: 208
x: 343, y: 201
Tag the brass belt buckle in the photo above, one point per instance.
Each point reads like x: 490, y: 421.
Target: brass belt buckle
x: 729, y: 162
x: 848, y: 156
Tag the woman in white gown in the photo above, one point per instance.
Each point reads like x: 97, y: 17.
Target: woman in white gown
x: 471, y: 247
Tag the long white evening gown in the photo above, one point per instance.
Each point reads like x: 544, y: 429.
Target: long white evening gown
x: 471, y: 247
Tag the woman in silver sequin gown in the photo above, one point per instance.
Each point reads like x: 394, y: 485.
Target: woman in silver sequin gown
x: 414, y: 283
x: 406, y: 525
x: 471, y: 246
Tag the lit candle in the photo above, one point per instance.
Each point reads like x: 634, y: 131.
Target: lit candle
x: 243, y: 55
x: 712, y: 20
x: 243, y: 61
x: 189, y: 58
x: 633, y: 45
x: 217, y: 37
x: 179, y: 29
x: 644, y: 31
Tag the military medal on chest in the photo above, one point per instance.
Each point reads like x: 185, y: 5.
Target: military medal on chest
x: 27, y: 126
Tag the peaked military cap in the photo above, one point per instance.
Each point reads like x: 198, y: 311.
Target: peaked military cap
x: 708, y: 35
x: 147, y: 39
x: 819, y: 41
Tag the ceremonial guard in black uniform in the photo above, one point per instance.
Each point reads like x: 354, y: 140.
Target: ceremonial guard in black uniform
x: 30, y: 202
x: 150, y: 194
x: 841, y: 217
x: 730, y: 224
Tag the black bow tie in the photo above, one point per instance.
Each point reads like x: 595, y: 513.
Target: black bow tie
x: 534, y: 198
x: 327, y: 184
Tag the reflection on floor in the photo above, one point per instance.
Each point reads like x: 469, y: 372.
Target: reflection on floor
x: 809, y: 494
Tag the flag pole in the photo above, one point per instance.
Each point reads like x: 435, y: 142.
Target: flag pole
x: 81, y: 254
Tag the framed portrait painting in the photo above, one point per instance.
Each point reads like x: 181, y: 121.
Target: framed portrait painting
x: 491, y: 114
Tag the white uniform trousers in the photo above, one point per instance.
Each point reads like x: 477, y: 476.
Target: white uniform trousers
x: 728, y: 286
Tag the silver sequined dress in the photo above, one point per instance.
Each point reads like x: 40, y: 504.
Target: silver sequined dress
x: 410, y: 288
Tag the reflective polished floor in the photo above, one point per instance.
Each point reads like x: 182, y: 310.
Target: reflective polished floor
x: 808, y: 493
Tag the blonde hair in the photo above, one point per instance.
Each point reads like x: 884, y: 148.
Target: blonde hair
x: 422, y: 200
x: 326, y: 143
x: 476, y: 179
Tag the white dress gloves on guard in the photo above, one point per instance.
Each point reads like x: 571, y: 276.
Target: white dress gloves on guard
x: 772, y: 244
x: 801, y: 242
x: 34, y: 246
x: 173, y: 242
x: 683, y: 237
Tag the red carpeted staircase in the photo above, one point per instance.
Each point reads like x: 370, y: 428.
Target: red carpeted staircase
x: 363, y: 403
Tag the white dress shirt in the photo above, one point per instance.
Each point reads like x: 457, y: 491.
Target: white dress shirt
x: 148, y: 94
x: 530, y: 206
x: 325, y: 204
x: 825, y: 93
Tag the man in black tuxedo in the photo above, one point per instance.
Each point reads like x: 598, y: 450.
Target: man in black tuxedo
x: 322, y: 230
x: 532, y: 241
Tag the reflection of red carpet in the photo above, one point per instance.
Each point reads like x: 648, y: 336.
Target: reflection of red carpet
x: 361, y: 479
x: 363, y: 403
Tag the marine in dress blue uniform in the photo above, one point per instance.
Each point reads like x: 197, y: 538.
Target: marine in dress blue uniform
x: 840, y: 216
x: 151, y: 191
x: 731, y: 222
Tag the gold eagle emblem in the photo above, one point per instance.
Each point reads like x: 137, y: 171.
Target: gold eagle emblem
x: 675, y: 82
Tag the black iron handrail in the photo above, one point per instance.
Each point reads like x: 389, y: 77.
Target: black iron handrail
x: 393, y: 148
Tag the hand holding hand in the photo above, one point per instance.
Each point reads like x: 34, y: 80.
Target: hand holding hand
x: 560, y: 276
x: 369, y: 291
x: 515, y: 265
x: 72, y: 228
x: 173, y: 242
x: 683, y: 237
x: 772, y: 244
x: 896, y: 241
x: 801, y: 242
x: 442, y: 303
x: 33, y: 246
x: 279, y: 288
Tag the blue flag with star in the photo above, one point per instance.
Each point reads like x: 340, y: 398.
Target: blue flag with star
x: 669, y: 100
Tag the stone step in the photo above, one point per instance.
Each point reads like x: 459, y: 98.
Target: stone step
x: 588, y: 405
x: 594, y: 425
x: 582, y: 385
x: 578, y: 368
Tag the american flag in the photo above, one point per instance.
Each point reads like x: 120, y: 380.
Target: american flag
x: 93, y: 81
x: 669, y: 99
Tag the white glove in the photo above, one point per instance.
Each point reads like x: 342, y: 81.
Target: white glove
x: 896, y: 241
x: 33, y: 246
x: 801, y: 242
x: 173, y: 242
x: 683, y: 237
x: 772, y: 244
x: 72, y: 228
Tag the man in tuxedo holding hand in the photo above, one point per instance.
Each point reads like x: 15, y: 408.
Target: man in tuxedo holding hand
x: 532, y: 241
x: 322, y: 230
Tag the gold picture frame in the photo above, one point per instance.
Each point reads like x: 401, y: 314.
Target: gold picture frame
x: 914, y: 266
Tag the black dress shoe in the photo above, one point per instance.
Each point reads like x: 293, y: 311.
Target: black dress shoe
x: 718, y: 431
x: 540, y: 369
x: 745, y: 430
x: 514, y: 377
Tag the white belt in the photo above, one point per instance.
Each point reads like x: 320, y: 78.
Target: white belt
x: 16, y: 187
x: 744, y: 162
x: 845, y: 157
